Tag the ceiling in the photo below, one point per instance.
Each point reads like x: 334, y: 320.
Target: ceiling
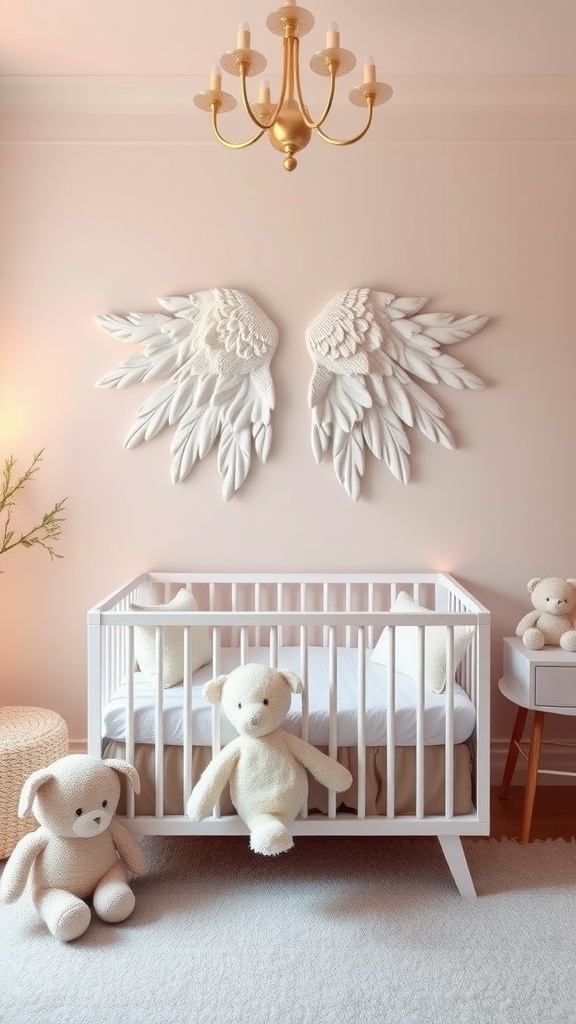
x: 186, y: 37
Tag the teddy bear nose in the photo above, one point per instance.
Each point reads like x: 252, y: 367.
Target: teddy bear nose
x: 255, y: 720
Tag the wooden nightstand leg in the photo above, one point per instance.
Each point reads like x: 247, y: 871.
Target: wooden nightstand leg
x: 513, y: 751
x: 531, y: 775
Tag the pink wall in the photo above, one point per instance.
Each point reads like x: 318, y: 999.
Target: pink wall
x: 105, y: 207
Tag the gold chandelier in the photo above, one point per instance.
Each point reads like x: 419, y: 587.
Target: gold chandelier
x: 288, y: 122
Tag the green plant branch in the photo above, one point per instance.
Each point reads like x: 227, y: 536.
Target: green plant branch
x: 47, y: 530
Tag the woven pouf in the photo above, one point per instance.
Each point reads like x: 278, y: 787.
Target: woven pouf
x: 30, y: 738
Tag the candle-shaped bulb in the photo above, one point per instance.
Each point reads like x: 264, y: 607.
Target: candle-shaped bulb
x: 216, y: 79
x: 264, y: 94
x: 243, y: 38
x: 333, y: 36
x: 369, y: 70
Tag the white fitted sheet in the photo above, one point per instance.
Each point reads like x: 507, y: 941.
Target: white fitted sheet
x: 114, y: 722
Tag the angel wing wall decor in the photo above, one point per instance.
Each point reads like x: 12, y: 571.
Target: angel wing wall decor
x: 213, y: 349
x: 367, y: 347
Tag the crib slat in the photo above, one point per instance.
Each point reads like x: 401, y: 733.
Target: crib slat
x: 481, y: 738
x: 108, y: 661
x: 187, y: 736
x: 113, y: 651
x: 370, y: 610
x: 333, y: 710
x: 234, y: 605
x: 279, y: 605
x: 159, y: 726
x: 420, y: 725
x: 305, y: 716
x: 469, y: 670
x: 257, y: 605
x: 305, y: 723
x: 449, y: 736
x: 216, y: 644
x: 216, y: 713
x: 361, y: 736
x: 391, y: 726
x: 243, y: 644
x: 130, y: 743
x: 273, y: 646
x: 216, y: 745
x: 348, y: 606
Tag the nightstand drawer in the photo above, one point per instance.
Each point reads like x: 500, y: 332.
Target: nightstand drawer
x: 555, y: 686
x: 543, y: 679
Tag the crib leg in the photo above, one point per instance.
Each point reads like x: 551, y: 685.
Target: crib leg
x: 456, y: 860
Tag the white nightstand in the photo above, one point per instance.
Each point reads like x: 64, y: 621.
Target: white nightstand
x: 543, y: 682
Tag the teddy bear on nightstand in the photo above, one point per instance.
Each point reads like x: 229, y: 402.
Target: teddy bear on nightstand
x: 552, y: 621
x: 265, y: 765
x: 78, y: 852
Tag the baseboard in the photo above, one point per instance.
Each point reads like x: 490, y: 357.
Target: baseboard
x: 556, y: 757
x: 77, y: 746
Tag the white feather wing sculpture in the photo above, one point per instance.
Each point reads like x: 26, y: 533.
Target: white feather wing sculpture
x: 213, y: 351
x: 369, y: 349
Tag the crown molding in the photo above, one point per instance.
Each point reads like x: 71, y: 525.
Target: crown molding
x: 174, y: 90
x: 160, y: 108
x: 478, y: 90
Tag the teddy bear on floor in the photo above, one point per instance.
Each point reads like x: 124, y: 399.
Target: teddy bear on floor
x: 265, y: 765
x: 78, y: 852
x: 552, y: 621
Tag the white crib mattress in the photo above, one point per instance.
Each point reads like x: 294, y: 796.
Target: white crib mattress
x: 114, y: 722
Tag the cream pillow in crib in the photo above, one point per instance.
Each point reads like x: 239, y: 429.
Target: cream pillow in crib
x: 173, y: 663
x: 408, y: 647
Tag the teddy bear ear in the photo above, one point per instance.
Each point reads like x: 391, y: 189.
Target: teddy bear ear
x: 294, y: 681
x: 213, y: 689
x: 570, y: 580
x: 534, y: 583
x: 125, y: 769
x: 30, y: 788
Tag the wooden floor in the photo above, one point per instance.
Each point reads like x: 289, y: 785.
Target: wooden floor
x: 554, y: 814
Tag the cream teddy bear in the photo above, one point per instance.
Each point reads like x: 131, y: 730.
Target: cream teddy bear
x: 552, y: 621
x: 264, y: 765
x: 78, y: 852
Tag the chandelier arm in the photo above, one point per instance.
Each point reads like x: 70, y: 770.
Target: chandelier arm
x: 226, y: 142
x: 333, y: 66
x: 274, y: 117
x: 356, y: 138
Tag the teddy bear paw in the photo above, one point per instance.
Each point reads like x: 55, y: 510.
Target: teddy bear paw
x: 270, y: 837
x: 534, y: 639
x: 568, y: 640
x: 114, y: 902
x: 72, y: 923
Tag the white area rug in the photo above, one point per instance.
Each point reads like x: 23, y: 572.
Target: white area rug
x: 337, y: 931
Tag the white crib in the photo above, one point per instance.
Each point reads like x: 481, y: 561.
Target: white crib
x: 420, y: 760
